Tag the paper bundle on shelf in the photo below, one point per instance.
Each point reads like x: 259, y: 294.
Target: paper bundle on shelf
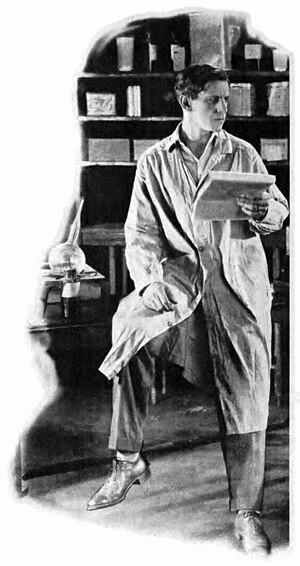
x: 241, y: 99
x: 115, y: 149
x: 139, y: 146
x: 207, y: 38
x: 178, y: 57
x: 233, y: 25
x: 134, y: 100
x: 278, y: 99
x: 274, y: 149
x: 101, y: 104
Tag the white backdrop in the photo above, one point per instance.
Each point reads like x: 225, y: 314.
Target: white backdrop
x: 43, y: 48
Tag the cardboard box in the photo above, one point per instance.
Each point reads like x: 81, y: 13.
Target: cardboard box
x: 178, y: 57
x: 274, y: 149
x: 233, y: 24
x: 241, y: 99
x: 116, y: 149
x: 207, y: 38
x: 139, y: 146
x: 253, y: 51
x: 278, y: 99
x: 100, y: 104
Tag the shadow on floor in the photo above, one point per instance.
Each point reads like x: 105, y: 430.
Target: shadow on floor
x: 65, y: 458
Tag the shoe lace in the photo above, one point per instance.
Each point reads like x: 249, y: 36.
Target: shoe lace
x: 114, y: 471
x: 253, y: 520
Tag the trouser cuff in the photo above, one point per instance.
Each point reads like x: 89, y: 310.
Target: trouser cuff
x: 235, y: 505
x: 124, y: 444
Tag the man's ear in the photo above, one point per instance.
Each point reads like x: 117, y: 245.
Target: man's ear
x: 185, y: 102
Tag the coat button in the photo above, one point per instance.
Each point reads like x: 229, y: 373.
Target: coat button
x: 201, y: 248
x: 170, y: 323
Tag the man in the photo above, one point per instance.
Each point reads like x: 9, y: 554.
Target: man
x: 190, y: 276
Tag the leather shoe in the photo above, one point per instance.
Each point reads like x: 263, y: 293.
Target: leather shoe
x: 249, y: 530
x: 123, y: 476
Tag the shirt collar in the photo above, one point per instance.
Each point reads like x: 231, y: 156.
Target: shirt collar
x: 222, y: 137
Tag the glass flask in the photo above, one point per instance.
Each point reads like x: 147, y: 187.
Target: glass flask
x: 66, y: 256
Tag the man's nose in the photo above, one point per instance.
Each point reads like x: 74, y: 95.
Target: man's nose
x: 222, y: 105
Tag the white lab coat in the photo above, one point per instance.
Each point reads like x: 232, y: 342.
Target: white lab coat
x: 198, y: 260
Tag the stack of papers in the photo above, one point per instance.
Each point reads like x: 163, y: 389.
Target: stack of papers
x: 216, y: 198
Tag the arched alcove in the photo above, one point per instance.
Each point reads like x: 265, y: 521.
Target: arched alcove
x: 71, y: 432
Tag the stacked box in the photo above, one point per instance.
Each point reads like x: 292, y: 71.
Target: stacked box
x: 100, y: 104
x: 233, y: 25
x: 139, y: 146
x: 115, y: 149
x: 278, y: 99
x: 241, y: 99
x: 207, y: 38
x: 274, y: 149
x: 178, y: 57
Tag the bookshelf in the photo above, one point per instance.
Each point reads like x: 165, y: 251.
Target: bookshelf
x: 107, y: 183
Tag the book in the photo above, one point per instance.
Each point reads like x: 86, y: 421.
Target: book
x: 133, y: 95
x: 216, y: 198
x: 130, y: 101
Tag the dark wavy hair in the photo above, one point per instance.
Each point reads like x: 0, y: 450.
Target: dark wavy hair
x: 191, y: 80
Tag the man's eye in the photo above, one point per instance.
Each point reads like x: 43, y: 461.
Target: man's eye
x: 215, y: 99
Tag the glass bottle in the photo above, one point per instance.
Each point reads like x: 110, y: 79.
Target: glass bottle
x: 152, y: 53
x: 70, y: 297
x: 253, y: 52
x: 177, y: 52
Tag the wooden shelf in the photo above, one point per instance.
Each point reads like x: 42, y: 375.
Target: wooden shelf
x: 108, y: 163
x: 234, y: 74
x: 103, y: 235
x: 177, y: 118
x: 283, y: 163
x: 125, y: 75
x: 129, y: 118
x: 261, y: 119
x: 103, y: 181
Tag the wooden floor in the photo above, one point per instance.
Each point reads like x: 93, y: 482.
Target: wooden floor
x: 186, y: 498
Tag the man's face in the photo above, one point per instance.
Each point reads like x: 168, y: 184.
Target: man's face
x: 210, y: 107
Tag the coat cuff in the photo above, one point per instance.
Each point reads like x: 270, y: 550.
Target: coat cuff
x: 153, y: 275
x: 273, y: 220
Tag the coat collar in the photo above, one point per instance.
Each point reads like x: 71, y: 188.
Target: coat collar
x: 223, y: 140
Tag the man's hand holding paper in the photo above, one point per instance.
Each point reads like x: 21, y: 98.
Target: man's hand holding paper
x: 232, y: 195
x: 255, y: 207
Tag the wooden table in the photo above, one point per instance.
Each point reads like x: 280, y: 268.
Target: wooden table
x: 72, y: 346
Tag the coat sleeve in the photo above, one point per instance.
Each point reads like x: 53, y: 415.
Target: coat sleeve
x: 145, y: 241
x: 278, y: 207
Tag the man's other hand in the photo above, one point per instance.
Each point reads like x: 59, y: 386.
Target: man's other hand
x: 255, y: 207
x: 157, y: 297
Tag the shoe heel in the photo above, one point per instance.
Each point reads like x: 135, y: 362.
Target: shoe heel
x: 144, y: 477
